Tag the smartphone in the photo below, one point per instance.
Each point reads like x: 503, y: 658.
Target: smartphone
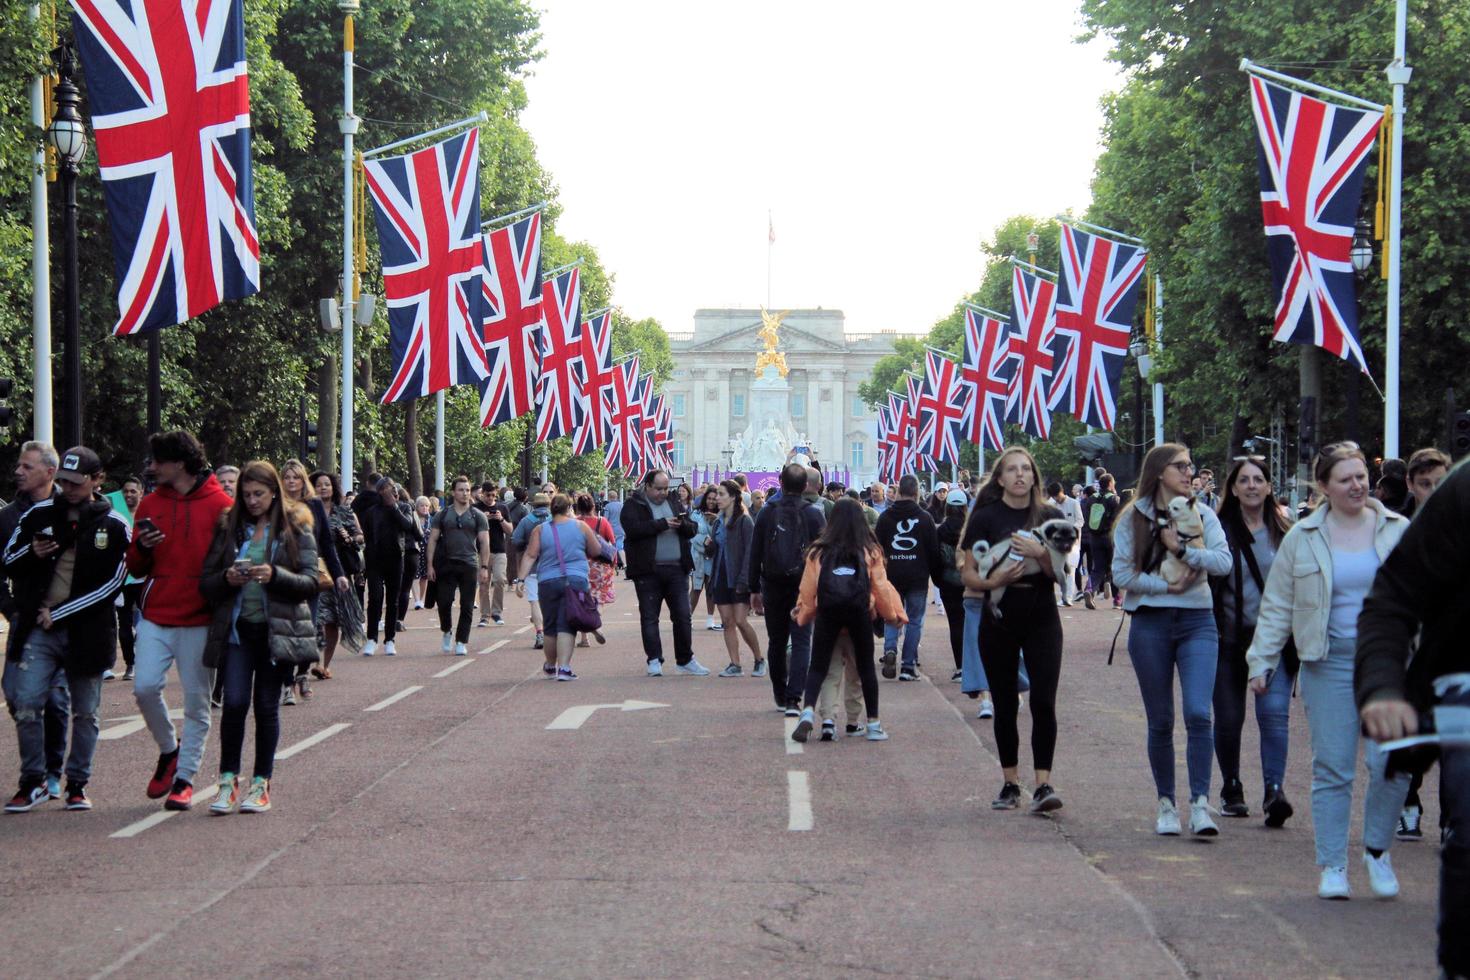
x: 145, y: 526
x: 45, y: 534
x: 242, y: 567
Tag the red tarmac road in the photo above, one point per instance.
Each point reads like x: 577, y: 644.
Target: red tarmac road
x: 450, y: 833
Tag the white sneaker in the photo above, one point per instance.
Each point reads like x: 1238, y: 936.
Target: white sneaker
x: 460, y: 651
x: 369, y: 648
x: 389, y: 650
x: 655, y: 668
x: 1200, y: 823
x: 709, y: 622
x: 446, y: 643
x: 108, y: 675
x: 1167, y: 824
x: 987, y: 708
x: 692, y: 667
x: 1381, y: 879
x: 1334, y: 884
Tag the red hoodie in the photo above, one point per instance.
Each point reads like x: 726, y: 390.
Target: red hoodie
x: 171, y: 595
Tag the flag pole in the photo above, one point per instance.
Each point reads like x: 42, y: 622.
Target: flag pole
x: 348, y: 125
x: 1034, y: 268
x: 1251, y: 68
x: 485, y: 225
x: 1398, y: 76
x: 40, y: 264
x: 443, y: 480
x: 1002, y: 317
x: 448, y: 128
x: 1100, y: 229
x: 770, y: 242
x: 1159, y: 343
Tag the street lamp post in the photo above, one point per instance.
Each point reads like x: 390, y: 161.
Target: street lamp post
x: 1139, y: 350
x: 69, y: 136
x: 1361, y: 255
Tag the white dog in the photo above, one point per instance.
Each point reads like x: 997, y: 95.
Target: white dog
x: 1184, y: 518
x: 1058, y: 535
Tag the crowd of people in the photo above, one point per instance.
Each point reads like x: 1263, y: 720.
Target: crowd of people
x: 247, y: 580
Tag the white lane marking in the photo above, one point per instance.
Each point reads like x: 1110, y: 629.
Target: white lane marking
x: 492, y: 647
x: 465, y: 662
x: 574, y: 717
x: 311, y: 740
x: 523, y: 629
x: 132, y: 723
x: 792, y: 747
x: 799, y: 802
x: 386, y: 702
x: 154, y: 819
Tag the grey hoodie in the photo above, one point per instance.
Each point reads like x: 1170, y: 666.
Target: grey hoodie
x: 1150, y: 588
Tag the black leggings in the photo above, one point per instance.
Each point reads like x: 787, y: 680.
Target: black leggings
x: 1030, y: 624
x: 828, y: 625
x: 125, y: 633
x: 383, y: 579
x: 954, y: 611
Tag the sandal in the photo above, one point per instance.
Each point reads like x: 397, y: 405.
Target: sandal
x: 326, y: 674
x: 319, y: 673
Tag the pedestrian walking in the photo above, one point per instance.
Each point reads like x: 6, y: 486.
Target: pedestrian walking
x: 1173, y: 628
x: 911, y: 547
x: 258, y: 578
x: 539, y: 514
x: 66, y: 557
x: 423, y: 513
x: 173, y: 528
x: 843, y: 586
x: 347, y: 541
x: 492, y: 591
x: 125, y: 501
x: 387, y: 528
x: 458, y: 560
x: 1255, y: 525
x: 1102, y: 516
x: 297, y: 484
x: 613, y: 511
x: 730, y: 579
x: 702, y: 550
x: 601, y: 574
x: 783, y: 530
x: 559, y: 550
x: 413, y: 548
x: 951, y: 586
x: 1313, y: 595
x: 657, y: 533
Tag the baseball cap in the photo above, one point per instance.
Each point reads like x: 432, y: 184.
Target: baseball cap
x: 78, y: 464
x: 957, y: 498
x: 540, y: 500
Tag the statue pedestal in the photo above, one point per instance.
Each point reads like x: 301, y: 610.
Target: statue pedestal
x: 770, y: 398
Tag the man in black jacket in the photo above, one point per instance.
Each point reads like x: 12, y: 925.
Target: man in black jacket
x: 1422, y: 584
x: 67, y: 561
x: 35, y: 474
x: 910, y: 543
x: 386, y: 527
x: 783, y: 529
x: 657, y: 531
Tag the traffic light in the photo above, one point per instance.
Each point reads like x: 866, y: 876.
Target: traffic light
x: 1307, y: 430
x: 7, y: 414
x: 1460, y: 435
x: 311, y: 438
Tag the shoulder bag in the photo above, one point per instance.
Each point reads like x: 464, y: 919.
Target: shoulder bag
x: 582, y: 614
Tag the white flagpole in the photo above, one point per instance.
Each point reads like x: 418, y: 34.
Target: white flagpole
x: 40, y: 265
x: 1159, y: 342
x: 348, y: 125
x: 443, y: 483
x: 1398, y: 76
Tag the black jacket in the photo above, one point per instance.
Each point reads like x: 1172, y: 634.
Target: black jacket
x: 910, y: 546
x: 386, y: 530
x: 10, y: 516
x: 1421, y: 582
x: 641, y: 531
x: 101, y: 539
x: 810, y: 512
x: 287, y: 613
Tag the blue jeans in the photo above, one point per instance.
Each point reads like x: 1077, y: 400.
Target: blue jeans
x: 251, y: 679
x: 58, y: 710
x: 1159, y: 639
x: 554, y: 602
x: 41, y: 666
x: 914, y: 604
x: 973, y: 679
x: 1332, y: 718
x: 1273, y: 710
x: 1454, y: 856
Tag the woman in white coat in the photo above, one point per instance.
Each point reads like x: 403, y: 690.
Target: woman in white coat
x: 1313, y: 595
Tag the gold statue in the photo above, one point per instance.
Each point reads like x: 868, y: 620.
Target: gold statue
x: 770, y: 336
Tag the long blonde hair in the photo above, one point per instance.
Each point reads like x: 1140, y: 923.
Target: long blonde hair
x: 308, y: 492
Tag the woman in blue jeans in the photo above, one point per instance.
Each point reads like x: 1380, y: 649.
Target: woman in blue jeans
x: 1173, y: 627
x: 557, y: 551
x: 1254, y: 525
x: 1313, y: 596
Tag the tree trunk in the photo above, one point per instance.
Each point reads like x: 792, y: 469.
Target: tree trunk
x: 411, y: 447
x: 326, y: 415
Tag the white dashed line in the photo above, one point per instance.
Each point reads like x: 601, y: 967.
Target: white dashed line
x: 387, y: 702
x: 464, y: 662
x: 792, y: 747
x: 154, y: 819
x: 799, y: 802
x: 523, y: 629
x: 132, y: 723
x: 492, y: 647
x: 311, y: 740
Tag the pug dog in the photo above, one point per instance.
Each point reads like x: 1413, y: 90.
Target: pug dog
x: 1185, y: 519
x: 1057, y: 535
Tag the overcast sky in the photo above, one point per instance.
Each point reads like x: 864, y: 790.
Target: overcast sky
x: 886, y: 140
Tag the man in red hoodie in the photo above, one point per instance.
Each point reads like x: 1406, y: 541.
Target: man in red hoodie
x: 172, y: 530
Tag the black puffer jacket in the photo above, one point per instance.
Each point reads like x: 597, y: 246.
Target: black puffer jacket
x: 292, y: 633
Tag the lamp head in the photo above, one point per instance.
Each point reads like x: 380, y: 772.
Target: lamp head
x: 1362, y: 250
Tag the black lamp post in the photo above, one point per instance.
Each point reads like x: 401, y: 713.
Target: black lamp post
x: 1361, y: 255
x: 69, y: 136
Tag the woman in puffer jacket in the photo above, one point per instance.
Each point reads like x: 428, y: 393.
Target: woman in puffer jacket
x: 258, y: 577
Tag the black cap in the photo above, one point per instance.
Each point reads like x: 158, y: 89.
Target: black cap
x: 78, y: 464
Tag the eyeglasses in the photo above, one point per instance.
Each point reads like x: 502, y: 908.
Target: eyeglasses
x: 1247, y: 459
x: 1183, y: 466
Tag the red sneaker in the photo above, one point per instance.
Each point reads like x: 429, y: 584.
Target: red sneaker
x: 182, y: 797
x: 163, y: 774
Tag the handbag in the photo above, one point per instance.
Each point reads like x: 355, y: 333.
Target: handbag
x: 581, y: 605
x: 324, y: 580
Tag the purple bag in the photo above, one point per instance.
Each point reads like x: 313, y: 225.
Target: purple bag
x: 581, y: 606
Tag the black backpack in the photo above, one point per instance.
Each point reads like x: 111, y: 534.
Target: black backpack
x: 784, y: 557
x: 842, y: 586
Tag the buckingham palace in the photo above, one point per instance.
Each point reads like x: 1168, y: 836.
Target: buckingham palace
x: 729, y: 411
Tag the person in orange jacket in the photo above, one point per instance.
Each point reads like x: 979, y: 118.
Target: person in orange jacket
x: 843, y: 586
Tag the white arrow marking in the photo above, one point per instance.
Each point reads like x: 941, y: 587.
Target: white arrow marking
x: 573, y: 718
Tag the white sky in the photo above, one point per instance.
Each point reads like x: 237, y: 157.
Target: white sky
x: 887, y: 141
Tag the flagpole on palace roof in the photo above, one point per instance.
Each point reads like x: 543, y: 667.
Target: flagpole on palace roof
x: 40, y: 265
x: 1398, y: 76
x: 348, y: 126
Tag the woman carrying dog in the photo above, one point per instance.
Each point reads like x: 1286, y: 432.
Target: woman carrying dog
x: 1173, y: 626
x: 1254, y: 525
x: 1009, y: 505
x: 1313, y: 596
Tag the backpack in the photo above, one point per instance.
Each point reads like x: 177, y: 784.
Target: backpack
x: 842, y: 586
x: 1097, y: 512
x: 947, y: 558
x: 785, y: 544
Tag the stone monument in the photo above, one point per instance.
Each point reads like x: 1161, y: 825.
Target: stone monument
x: 766, y: 442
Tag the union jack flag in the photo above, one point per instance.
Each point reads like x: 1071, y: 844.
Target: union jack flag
x: 1034, y: 327
x: 559, y: 398
x: 1097, y: 293
x: 920, y: 459
x: 427, y: 206
x: 986, y: 373
x: 171, y: 119
x: 902, y: 456
x: 886, y: 443
x: 941, y: 410
x: 625, y: 432
x: 665, y: 430
x: 648, y: 423
x: 597, y: 391
x: 512, y: 324
x: 1313, y: 156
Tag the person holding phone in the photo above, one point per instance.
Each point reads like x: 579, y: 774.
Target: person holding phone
x: 658, y: 531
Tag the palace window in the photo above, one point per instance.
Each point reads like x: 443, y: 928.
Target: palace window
x: 798, y: 405
x: 678, y: 454
x: 737, y: 406
x: 678, y: 405
x: 856, y: 453
x: 859, y: 407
